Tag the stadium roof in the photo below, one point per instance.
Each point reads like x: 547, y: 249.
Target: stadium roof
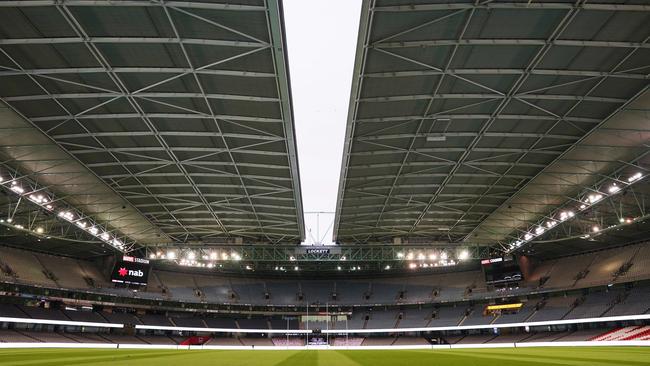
x: 165, y: 121
x: 462, y: 129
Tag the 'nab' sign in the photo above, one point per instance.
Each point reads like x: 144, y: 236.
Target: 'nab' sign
x: 131, y: 270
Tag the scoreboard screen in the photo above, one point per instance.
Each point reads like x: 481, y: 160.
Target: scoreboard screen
x: 501, y: 270
x: 131, y: 271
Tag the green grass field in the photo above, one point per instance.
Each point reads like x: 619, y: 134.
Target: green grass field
x: 502, y: 357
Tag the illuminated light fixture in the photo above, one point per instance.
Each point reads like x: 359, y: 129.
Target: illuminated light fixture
x: 627, y: 221
x: 105, y: 236
x: 292, y: 258
x: 614, y: 188
x: 338, y: 268
x: 152, y: 256
x: 387, y: 267
x: 433, y: 256
x: 565, y: 215
x: 621, y: 220
x: 235, y: 256
x: 343, y: 258
x: 210, y: 265
x: 39, y: 230
x: 635, y: 177
x: 425, y: 265
x: 409, y: 256
x: 412, y: 265
x: 296, y: 268
x: 224, y: 256
x: 421, y: 257
x: 593, y: 198
x: 191, y: 255
x: 205, y: 257
x: 213, y: 255
x: 81, y: 224
x: 400, y: 255
x: 1, y: 179
x: 463, y: 255
x: 595, y: 229
x: 443, y: 256
x: 10, y: 220
x: 67, y: 215
x: 18, y: 226
x: 118, y: 243
x: 93, y: 230
x: 248, y: 267
x: 49, y: 207
x: 583, y: 206
x: 18, y: 189
x: 171, y: 254
x: 528, y: 236
x: 550, y: 224
x: 539, y: 230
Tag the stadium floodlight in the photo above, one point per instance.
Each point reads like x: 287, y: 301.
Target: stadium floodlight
x: 593, y: 198
x: 433, y: 256
x: 292, y: 258
x: 539, y: 230
x: 387, y: 267
x: 614, y: 188
x: 213, y: 255
x: 93, y: 230
x: 296, y: 268
x: 551, y: 223
x: 235, y: 256
x: 400, y: 255
x: 18, y: 189
x: 443, y: 256
x: 248, y: 267
x: 152, y: 256
x: 191, y: 255
x: 225, y: 256
x: 635, y: 177
x: 421, y: 256
x: 9, y: 220
x: 528, y: 236
x: 39, y: 230
x: 171, y: 254
x: 409, y: 256
x: 81, y: 224
x: 104, y: 236
x: 464, y: 254
x: 210, y: 265
x: 343, y: 258
x: 338, y: 268
x: 412, y: 265
x: 595, y: 229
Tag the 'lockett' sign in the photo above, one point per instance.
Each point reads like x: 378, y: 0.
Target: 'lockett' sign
x: 318, y: 250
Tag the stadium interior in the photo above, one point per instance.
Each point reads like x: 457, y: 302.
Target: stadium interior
x: 493, y: 187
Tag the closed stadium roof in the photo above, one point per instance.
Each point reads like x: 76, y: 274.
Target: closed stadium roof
x: 469, y: 120
x: 169, y: 121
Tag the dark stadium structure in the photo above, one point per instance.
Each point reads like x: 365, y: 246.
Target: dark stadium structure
x: 494, y: 185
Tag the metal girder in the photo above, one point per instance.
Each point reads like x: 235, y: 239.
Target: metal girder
x: 507, y: 42
x: 133, y: 3
x: 512, y: 5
